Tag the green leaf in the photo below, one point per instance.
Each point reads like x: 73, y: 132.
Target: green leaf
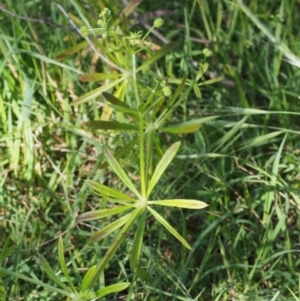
x: 273, y: 183
x: 114, y: 100
x: 47, y: 269
x: 169, y: 227
x: 62, y: 262
x: 95, y: 93
x: 71, y: 51
x: 178, y: 91
x: 129, y: 112
x: 182, y: 128
x: 162, y: 165
x: 119, y: 106
x: 111, y: 289
x: 211, y: 81
x: 98, y: 77
x: 6, y: 250
x: 188, y: 126
x: 261, y: 140
x: 123, y: 151
x: 197, y: 91
x: 143, y: 274
x: 115, y: 245
x: 202, y: 69
x: 137, y: 243
x: 98, y: 214
x: 110, y: 228
x: 231, y: 133
x: 106, y: 191
x: 48, y: 60
x: 110, y: 125
x: 2, y: 291
x: 180, y: 203
x: 87, y: 278
x: 159, y: 54
x: 113, y: 163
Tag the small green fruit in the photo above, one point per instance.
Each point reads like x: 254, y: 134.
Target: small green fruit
x: 159, y: 22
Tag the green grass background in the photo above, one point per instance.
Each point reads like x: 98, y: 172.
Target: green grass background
x: 245, y: 164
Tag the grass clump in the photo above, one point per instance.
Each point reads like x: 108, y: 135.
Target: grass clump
x: 126, y: 85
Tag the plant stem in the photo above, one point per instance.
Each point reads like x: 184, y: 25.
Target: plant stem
x: 141, y: 125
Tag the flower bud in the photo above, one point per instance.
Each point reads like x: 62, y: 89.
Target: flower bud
x: 167, y: 91
x: 159, y: 22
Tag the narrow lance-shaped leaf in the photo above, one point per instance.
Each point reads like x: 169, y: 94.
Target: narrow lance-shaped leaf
x: 162, y: 165
x: 169, y: 227
x: 232, y: 132
x: 98, y: 214
x: 180, y: 203
x: 115, y: 245
x: 202, y: 69
x: 270, y: 195
x: 111, y: 289
x: 119, y: 171
x: 211, y: 81
x: 6, y: 251
x: 160, y: 53
x: 188, y: 126
x: 263, y: 139
x: 182, y: 128
x: 87, y: 278
x: 71, y: 51
x: 143, y: 274
x: 121, y: 152
x: 37, y: 282
x: 129, y: 112
x: 137, y: 243
x: 114, y: 100
x: 110, y: 228
x: 47, y: 269
x: 95, y: 93
x: 106, y: 191
x: 62, y: 262
x: 97, y: 77
x: 197, y: 91
x: 119, y: 106
x: 110, y: 125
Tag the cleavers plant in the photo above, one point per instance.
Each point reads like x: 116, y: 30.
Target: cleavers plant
x: 145, y: 112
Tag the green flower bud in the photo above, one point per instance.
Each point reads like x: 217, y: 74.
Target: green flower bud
x: 159, y: 22
x: 167, y: 91
x: 207, y: 52
x: 101, y: 22
x: 84, y: 31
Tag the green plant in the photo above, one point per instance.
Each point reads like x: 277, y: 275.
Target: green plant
x: 144, y: 118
